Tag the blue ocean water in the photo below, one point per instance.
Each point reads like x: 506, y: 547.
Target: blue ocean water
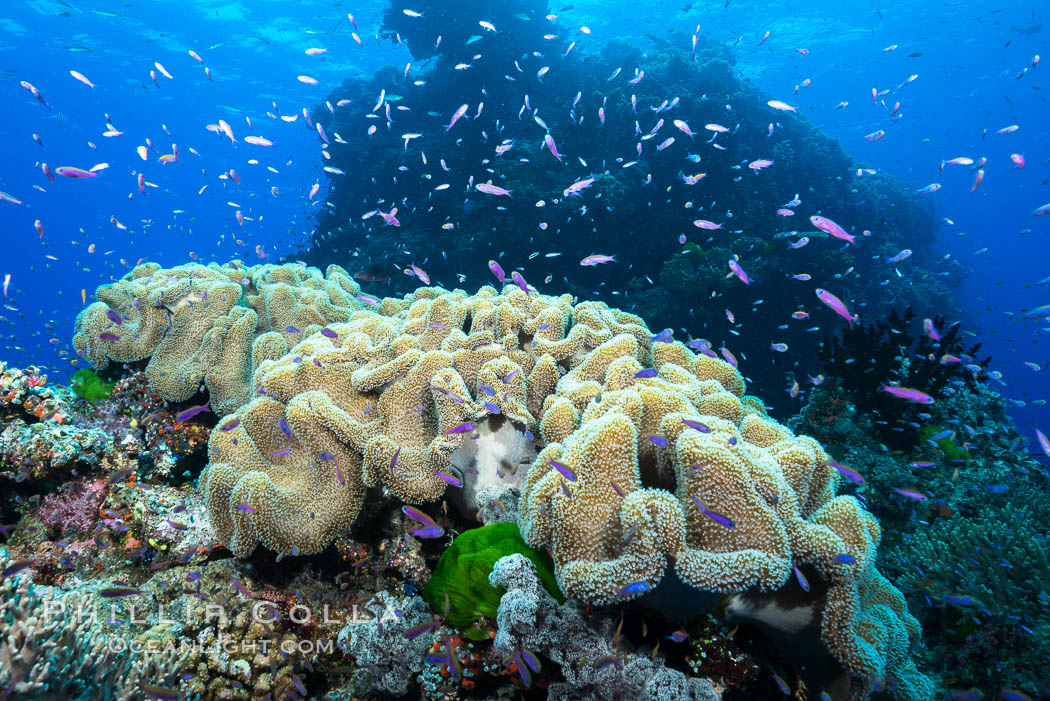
x: 973, y: 62
x: 214, y: 130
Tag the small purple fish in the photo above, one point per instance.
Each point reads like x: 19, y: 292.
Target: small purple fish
x: 659, y: 440
x: 648, y: 372
x: 488, y: 390
x: 419, y: 630
x: 497, y: 270
x: 492, y: 407
x: 845, y: 558
x: 18, y: 567
x: 847, y: 472
x: 283, y: 425
x: 114, y: 317
x: 616, y: 488
x: 462, y: 428
x: 802, y: 581
x: 230, y: 425
x: 569, y: 474
x: 241, y: 589
x: 448, y: 478
x: 636, y: 588
x: 717, y: 518
x: 519, y: 281
x: 292, y: 329
x: 191, y: 412
x: 329, y: 333
x: 177, y: 526
x: 679, y: 636
x: 696, y: 425
x: 510, y: 376
x: 394, y: 461
x: 911, y: 494
x: 665, y: 336
x: 279, y: 453
x: 108, y: 337
x: 242, y: 507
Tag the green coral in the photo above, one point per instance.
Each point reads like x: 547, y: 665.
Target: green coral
x: 462, y: 575
x: 89, y: 386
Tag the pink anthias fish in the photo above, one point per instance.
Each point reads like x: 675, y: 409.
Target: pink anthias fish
x: 549, y: 140
x: 36, y: 93
x: 739, y: 272
x: 70, y: 172
x: 577, y: 187
x: 831, y: 228
x: 597, y: 259
x: 419, y: 273
x: 836, y: 305
x: 759, y: 164
x: 684, y: 128
x: 782, y: 106
x: 908, y: 394
x: 455, y: 117
x: 931, y: 330
x: 1044, y: 443
x: 389, y: 217
x: 705, y: 224
x: 490, y: 189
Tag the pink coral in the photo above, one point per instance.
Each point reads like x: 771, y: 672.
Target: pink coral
x: 75, y: 509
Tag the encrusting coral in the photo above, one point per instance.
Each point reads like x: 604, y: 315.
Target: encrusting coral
x: 652, y: 460
x: 210, y: 325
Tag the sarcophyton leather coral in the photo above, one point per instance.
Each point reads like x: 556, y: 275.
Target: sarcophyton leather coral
x: 210, y: 325
x: 652, y: 462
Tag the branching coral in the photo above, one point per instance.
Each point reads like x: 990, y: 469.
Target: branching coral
x: 212, y: 325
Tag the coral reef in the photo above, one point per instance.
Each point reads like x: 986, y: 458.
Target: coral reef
x: 585, y: 647
x: 391, y: 401
x: 653, y: 456
x: 387, y: 656
x: 860, y: 360
x: 210, y: 326
x: 47, y: 651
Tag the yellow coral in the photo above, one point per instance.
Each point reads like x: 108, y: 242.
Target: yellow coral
x: 653, y: 458
x: 210, y: 326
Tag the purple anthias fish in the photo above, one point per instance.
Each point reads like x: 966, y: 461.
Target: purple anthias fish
x: 836, y: 305
x: 490, y: 189
x: 847, y: 473
x: 717, y: 518
x: 497, y: 270
x: 911, y: 494
x: 831, y: 228
x: 739, y: 272
x: 549, y: 140
x: 911, y: 395
x: 191, y: 412
x: 563, y: 469
x: 597, y: 259
x: 455, y: 117
x: 519, y: 281
x: 420, y: 274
